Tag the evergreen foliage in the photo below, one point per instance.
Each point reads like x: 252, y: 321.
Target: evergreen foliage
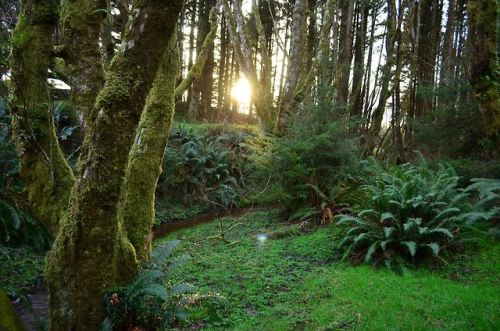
x: 313, y: 157
x: 412, y: 213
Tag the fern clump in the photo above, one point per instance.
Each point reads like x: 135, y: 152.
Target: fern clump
x: 207, y: 169
x: 150, y: 301
x: 414, y: 213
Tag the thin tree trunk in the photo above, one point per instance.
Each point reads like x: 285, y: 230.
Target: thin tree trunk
x: 146, y: 156
x: 296, y: 64
x: 359, y: 59
x: 386, y: 75
x: 345, y: 52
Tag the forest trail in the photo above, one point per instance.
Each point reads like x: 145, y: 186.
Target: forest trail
x: 34, y: 315
x: 166, y: 229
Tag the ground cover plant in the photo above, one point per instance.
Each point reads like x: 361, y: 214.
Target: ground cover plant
x: 295, y: 282
x: 207, y: 167
x: 412, y: 213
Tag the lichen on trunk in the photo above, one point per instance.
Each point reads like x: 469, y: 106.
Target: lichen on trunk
x: 92, y: 252
x: 146, y: 155
x: 43, y: 168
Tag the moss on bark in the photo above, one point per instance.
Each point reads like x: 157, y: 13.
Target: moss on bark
x: 43, y: 168
x: 146, y: 155
x: 92, y: 252
x: 8, y: 317
x: 81, y: 22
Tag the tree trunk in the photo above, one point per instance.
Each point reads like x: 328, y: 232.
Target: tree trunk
x: 146, y: 156
x: 356, y: 107
x: 345, y: 52
x: 244, y: 58
x: 46, y: 174
x: 484, y: 63
x: 296, y: 63
x: 386, y: 76
x: 430, y: 24
x: 91, y: 252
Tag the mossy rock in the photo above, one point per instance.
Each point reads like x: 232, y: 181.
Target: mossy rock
x: 9, y: 321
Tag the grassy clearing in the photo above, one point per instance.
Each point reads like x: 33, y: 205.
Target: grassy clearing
x: 296, y: 283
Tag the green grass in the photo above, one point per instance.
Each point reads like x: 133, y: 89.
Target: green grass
x: 296, y: 283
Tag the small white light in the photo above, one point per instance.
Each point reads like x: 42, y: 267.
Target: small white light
x: 261, y: 237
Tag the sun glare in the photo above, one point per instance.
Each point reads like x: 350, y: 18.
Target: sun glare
x: 241, y: 92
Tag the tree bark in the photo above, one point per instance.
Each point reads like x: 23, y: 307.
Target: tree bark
x: 378, y: 114
x: 46, y: 174
x: 296, y: 63
x: 91, y: 252
x: 345, y: 52
x: 356, y: 107
x: 484, y: 65
x: 146, y: 156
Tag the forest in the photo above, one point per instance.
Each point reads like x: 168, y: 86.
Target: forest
x: 249, y: 165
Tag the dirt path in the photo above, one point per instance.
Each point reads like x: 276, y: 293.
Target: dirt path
x: 168, y: 228
x: 34, y: 314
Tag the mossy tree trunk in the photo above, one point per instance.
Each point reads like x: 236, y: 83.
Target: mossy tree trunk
x: 484, y: 65
x: 92, y: 252
x: 81, y: 24
x: 296, y: 64
x: 43, y: 168
x: 146, y: 156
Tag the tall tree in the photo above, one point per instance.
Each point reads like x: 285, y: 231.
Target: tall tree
x: 356, y: 106
x: 91, y: 251
x: 345, y: 52
x: 296, y: 64
x: 484, y: 65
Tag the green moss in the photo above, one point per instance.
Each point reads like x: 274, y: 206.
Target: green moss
x: 8, y: 318
x: 43, y: 168
x: 146, y: 156
x: 91, y: 252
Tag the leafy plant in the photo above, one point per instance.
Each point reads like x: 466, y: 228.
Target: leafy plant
x: 209, y: 168
x: 313, y: 157
x: 413, y: 212
x: 150, y: 301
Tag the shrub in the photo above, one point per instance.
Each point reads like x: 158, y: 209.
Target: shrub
x: 315, y: 155
x: 412, y: 213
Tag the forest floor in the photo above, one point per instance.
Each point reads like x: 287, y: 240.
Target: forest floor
x: 297, y: 283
